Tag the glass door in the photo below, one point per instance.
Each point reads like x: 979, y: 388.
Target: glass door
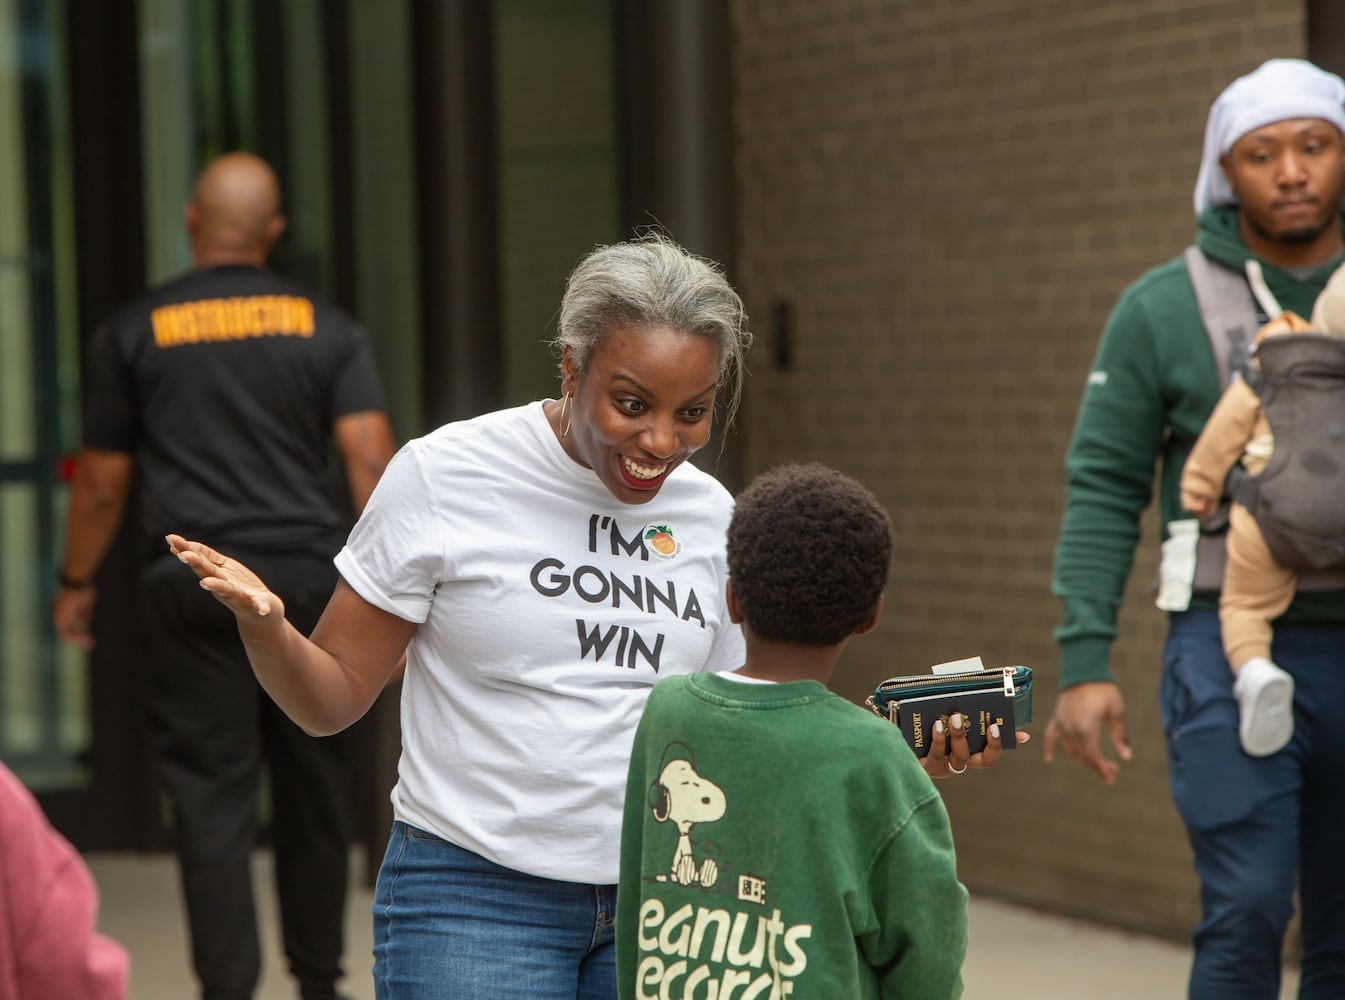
x: 106, y: 112
x: 221, y: 75
x: 45, y: 730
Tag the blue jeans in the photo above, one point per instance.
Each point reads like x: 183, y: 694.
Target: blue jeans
x: 1255, y: 823
x: 450, y: 925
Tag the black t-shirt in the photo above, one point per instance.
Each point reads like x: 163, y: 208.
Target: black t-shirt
x: 224, y: 384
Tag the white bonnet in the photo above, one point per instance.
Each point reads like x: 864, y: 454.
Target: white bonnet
x: 1275, y: 90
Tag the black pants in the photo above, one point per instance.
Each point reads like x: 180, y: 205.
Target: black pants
x: 214, y: 727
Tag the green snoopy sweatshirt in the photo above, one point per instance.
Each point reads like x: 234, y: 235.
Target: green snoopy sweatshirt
x: 1151, y: 389
x: 779, y: 841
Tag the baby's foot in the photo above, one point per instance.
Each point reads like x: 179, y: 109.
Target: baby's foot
x: 1265, y: 696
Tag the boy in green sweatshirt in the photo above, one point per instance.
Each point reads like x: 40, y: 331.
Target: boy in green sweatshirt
x: 779, y: 840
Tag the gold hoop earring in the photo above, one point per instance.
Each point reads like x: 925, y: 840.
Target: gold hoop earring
x: 564, y: 422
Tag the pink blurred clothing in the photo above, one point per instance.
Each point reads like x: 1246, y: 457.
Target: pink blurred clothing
x: 49, y: 948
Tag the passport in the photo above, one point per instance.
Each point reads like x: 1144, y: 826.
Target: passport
x: 981, y: 709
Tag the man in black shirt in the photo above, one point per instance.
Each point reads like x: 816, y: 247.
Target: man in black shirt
x: 223, y: 389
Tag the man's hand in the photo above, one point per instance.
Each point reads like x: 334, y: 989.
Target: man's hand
x: 1077, y: 721
x: 98, y: 491
x: 72, y: 614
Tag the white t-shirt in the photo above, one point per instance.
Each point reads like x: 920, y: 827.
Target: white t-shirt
x: 547, y: 610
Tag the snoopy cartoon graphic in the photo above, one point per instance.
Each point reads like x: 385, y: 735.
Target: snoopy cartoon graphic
x: 684, y: 798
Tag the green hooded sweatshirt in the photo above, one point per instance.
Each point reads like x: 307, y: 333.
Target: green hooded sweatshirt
x: 1151, y: 389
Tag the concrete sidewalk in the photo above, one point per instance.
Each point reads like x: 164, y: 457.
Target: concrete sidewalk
x: 1015, y: 953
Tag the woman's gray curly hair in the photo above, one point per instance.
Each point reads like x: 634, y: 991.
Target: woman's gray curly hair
x: 652, y: 282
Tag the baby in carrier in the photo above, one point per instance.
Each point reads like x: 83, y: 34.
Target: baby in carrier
x: 1288, y: 512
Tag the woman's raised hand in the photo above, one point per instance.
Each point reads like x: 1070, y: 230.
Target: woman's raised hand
x: 233, y: 584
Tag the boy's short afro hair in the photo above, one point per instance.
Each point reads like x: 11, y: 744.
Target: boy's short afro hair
x: 808, y: 550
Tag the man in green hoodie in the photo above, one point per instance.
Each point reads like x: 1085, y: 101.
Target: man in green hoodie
x: 1268, y: 196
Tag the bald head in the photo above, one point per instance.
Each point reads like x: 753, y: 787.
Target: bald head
x: 234, y: 212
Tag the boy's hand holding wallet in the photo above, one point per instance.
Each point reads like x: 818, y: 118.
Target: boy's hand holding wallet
x: 984, y: 697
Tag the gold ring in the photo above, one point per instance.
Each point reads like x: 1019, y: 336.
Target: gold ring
x: 956, y: 770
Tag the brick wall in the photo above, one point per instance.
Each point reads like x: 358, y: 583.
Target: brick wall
x: 949, y: 196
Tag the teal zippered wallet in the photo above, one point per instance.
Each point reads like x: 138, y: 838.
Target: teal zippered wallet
x: 998, y: 695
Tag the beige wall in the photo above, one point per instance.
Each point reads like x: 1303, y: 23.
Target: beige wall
x: 951, y: 195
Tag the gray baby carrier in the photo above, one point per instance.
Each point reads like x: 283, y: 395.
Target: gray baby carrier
x: 1298, y: 499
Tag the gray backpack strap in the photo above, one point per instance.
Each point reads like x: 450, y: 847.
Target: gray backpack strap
x: 1228, y: 310
x: 1228, y: 313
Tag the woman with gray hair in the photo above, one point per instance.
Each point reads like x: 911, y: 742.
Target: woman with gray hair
x: 541, y: 567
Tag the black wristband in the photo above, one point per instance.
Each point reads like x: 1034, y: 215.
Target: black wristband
x: 70, y: 584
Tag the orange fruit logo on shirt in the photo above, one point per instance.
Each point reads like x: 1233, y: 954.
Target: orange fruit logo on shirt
x: 661, y: 541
